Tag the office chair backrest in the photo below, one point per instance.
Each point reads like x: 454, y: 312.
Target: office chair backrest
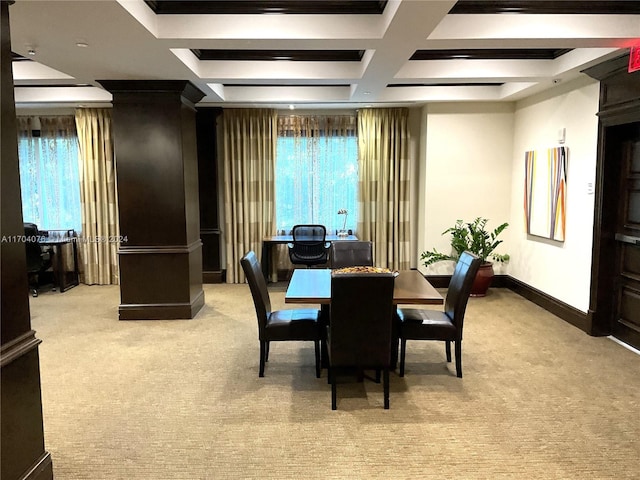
x: 351, y: 254
x: 460, y: 287
x: 309, y: 246
x: 258, y: 287
x: 361, y: 318
x: 309, y: 233
x: 35, y: 261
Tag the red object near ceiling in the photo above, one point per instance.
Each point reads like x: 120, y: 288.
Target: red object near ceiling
x: 634, y: 58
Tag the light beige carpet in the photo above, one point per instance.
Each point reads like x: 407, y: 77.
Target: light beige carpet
x: 158, y: 400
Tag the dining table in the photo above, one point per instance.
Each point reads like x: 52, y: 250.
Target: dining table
x: 313, y: 286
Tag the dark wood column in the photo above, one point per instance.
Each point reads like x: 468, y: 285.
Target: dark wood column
x: 22, y: 441
x: 206, y: 118
x: 157, y: 176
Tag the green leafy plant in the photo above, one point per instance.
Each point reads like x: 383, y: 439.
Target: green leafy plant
x: 470, y: 236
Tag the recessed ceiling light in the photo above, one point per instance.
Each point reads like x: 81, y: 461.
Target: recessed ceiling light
x: 82, y: 44
x: 367, y: 92
x: 31, y: 52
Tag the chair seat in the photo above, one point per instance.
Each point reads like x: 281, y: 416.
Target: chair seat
x: 421, y: 324
x: 293, y: 324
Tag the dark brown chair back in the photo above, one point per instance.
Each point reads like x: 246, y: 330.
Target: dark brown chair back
x: 361, y: 319
x: 351, y: 254
x: 460, y: 287
x: 258, y: 287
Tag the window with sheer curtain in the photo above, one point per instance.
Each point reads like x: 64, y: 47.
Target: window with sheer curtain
x: 49, y: 178
x: 316, y: 173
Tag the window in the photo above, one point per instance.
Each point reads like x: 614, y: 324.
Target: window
x: 49, y: 173
x: 316, y: 172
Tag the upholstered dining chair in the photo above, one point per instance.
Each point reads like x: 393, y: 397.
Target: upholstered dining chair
x: 420, y: 324
x: 309, y: 246
x: 351, y: 254
x: 279, y: 325
x: 360, y: 324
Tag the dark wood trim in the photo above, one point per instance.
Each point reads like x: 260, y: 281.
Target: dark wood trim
x: 490, y: 54
x: 41, y: 470
x: 183, y: 88
x: 623, y: 7
x: 160, y: 249
x: 162, y: 311
x: 18, y: 347
x: 279, y: 55
x: 213, y: 277
x: 253, y: 7
x: 560, y: 309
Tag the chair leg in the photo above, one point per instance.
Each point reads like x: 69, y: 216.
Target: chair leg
x: 403, y: 349
x: 317, y: 348
x: 266, y: 352
x: 334, y: 396
x: 377, y: 375
x: 459, y: 358
x: 263, y: 349
x: 447, y: 347
x: 385, y: 379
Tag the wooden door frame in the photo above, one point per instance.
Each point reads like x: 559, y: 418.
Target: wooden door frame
x: 619, y: 105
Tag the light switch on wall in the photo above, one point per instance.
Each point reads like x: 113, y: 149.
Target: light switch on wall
x: 561, y: 135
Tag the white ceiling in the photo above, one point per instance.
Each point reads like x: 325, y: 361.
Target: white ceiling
x: 127, y: 40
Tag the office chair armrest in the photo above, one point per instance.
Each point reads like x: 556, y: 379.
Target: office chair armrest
x: 327, y: 245
x: 289, y: 245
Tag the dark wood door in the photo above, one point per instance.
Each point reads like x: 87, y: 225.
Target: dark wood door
x: 626, y: 318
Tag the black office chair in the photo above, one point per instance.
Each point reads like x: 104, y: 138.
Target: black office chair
x: 419, y: 324
x: 309, y: 245
x: 279, y: 325
x: 351, y: 254
x: 38, y: 261
x: 360, y: 326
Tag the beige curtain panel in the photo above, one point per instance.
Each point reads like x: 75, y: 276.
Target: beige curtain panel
x: 250, y: 137
x: 383, y: 193
x: 98, y: 246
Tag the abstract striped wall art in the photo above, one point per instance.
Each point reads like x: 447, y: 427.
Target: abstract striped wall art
x: 545, y: 185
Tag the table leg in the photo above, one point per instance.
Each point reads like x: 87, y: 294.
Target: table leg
x: 265, y: 260
x: 395, y: 339
x: 324, y: 323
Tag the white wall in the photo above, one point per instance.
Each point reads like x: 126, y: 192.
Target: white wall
x: 560, y: 269
x: 465, y: 172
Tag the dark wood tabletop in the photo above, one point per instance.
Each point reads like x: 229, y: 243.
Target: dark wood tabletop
x: 313, y: 285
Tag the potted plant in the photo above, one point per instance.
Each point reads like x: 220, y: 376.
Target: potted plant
x: 473, y: 237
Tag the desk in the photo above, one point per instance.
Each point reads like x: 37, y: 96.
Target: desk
x: 314, y: 286
x: 269, y: 241
x: 63, y: 245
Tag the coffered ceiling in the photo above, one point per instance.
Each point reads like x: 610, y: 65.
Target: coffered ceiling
x: 314, y: 54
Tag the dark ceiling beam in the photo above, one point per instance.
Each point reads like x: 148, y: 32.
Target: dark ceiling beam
x: 624, y: 7
x: 274, y: 55
x: 490, y: 54
x: 250, y: 7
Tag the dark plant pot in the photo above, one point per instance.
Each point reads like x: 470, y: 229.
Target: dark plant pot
x: 483, y: 280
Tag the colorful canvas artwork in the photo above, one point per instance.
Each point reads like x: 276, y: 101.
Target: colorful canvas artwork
x: 545, y: 193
